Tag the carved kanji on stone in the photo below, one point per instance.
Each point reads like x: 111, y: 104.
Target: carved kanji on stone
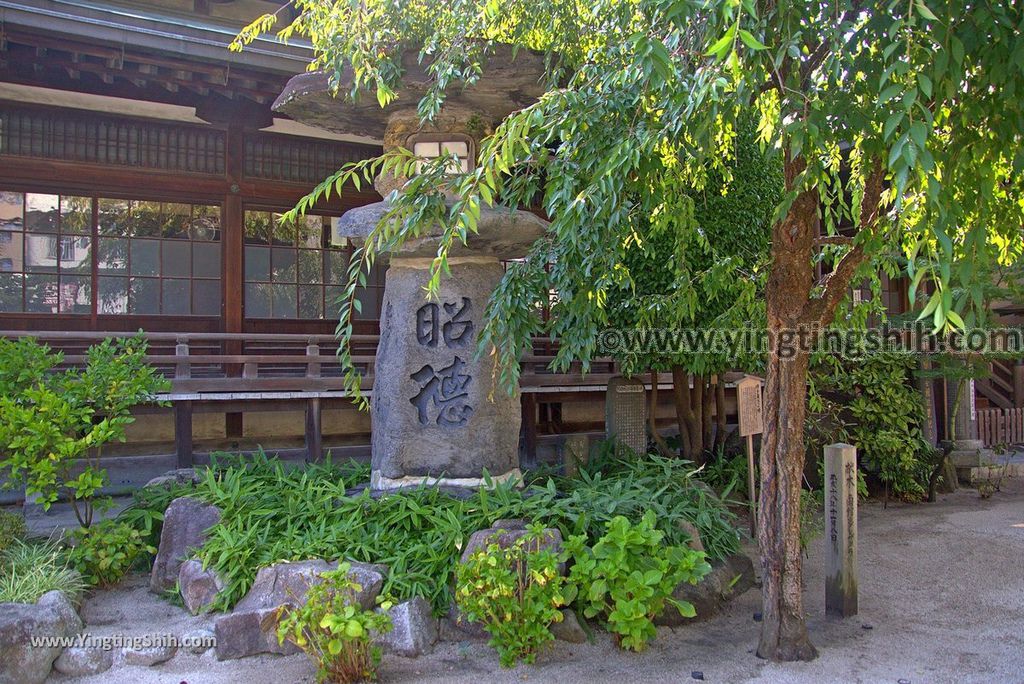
x: 446, y: 390
x: 456, y: 332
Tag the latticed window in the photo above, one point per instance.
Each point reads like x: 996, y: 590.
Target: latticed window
x: 146, y: 258
x: 292, y: 271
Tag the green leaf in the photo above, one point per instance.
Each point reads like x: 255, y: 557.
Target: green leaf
x: 750, y: 41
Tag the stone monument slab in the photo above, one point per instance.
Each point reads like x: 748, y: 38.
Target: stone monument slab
x: 439, y: 415
x: 840, y: 530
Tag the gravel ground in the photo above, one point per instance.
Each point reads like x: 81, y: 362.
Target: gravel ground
x: 942, y: 600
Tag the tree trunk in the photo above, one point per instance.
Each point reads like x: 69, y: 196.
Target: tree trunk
x: 684, y: 411
x: 697, y: 430
x: 719, y: 413
x: 652, y: 419
x: 783, y: 630
x: 707, y: 403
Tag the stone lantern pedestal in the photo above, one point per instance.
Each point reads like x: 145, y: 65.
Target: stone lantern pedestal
x: 439, y: 414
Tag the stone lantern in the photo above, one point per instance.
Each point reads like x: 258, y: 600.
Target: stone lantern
x: 439, y: 415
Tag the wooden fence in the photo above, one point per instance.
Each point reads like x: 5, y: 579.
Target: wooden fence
x: 1001, y: 426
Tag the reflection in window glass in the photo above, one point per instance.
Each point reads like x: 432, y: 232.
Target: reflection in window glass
x: 151, y: 257
x: 144, y: 296
x: 257, y: 300
x: 298, y: 275
x: 12, y: 206
x: 11, y: 292
x: 206, y: 297
x: 42, y: 213
x: 75, y: 215
x: 113, y: 296
x: 115, y: 217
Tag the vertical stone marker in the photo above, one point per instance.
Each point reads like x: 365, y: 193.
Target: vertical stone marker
x: 625, y: 413
x: 840, y: 530
x: 439, y: 414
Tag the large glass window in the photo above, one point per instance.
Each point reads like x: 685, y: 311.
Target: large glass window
x: 45, y: 253
x: 159, y: 258
x: 291, y: 271
x: 149, y: 258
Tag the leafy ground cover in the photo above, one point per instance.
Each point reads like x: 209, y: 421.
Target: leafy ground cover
x: 273, y: 512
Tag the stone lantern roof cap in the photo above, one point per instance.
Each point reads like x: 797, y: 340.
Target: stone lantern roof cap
x: 502, y: 233
x: 511, y: 80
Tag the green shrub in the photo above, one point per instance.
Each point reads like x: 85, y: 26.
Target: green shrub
x: 611, y: 485
x: 29, y: 570
x: 273, y: 513
x: 333, y: 630
x: 629, y: 575
x: 875, y: 406
x: 12, y: 529
x: 515, y: 593
x: 54, y: 421
x: 105, y: 552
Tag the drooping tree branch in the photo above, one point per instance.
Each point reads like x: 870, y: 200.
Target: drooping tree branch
x: 835, y: 284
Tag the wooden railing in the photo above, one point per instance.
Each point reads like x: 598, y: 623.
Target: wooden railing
x: 211, y: 366
x: 243, y: 372
x: 1001, y: 426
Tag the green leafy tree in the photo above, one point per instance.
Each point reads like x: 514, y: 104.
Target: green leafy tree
x: 701, y: 269
x: 54, y: 423
x: 899, y: 121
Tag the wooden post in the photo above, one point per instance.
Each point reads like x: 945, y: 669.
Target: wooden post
x: 232, y: 260
x: 1018, y: 383
x: 840, y: 530
x: 183, y: 433
x: 182, y: 409
x: 314, y: 431
x: 530, y: 428
x: 751, y: 417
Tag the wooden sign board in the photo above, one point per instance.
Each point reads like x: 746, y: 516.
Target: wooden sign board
x: 748, y: 403
x: 748, y: 397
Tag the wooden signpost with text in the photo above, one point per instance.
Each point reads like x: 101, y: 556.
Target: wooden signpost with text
x: 751, y: 415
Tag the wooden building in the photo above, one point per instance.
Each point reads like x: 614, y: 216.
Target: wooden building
x: 142, y: 174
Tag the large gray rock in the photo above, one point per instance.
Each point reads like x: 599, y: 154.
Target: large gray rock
x: 181, y: 476
x: 186, y: 522
x: 20, y: 661
x: 198, y: 587
x: 414, y: 629
x: 252, y: 627
x: 505, y: 538
x: 447, y: 418
x: 726, y: 581
x: 251, y: 632
x: 148, y: 656
x: 288, y: 583
x: 79, y: 661
x: 59, y: 603
x: 569, y: 629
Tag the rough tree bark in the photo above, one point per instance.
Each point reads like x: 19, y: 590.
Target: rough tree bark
x: 707, y: 403
x: 719, y: 412
x: 791, y: 307
x: 652, y: 418
x: 684, y: 411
